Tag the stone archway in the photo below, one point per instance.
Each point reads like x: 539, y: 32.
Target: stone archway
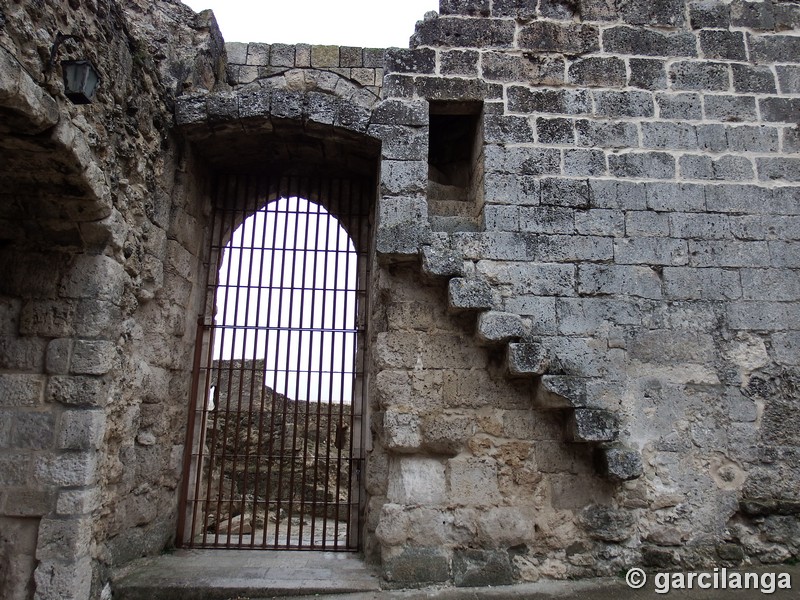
x: 294, y: 132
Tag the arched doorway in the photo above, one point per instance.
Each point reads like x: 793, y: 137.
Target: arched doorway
x: 277, y: 428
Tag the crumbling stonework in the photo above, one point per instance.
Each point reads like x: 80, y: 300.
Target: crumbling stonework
x: 583, y: 332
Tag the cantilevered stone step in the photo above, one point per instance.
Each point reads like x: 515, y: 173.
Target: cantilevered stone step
x: 526, y: 360
x: 495, y: 327
x: 619, y: 463
x: 592, y: 425
x: 561, y: 392
x: 469, y: 294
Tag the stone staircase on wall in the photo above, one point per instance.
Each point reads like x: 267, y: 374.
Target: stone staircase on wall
x: 552, y: 388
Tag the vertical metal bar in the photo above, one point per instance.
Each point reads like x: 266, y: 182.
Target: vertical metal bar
x: 247, y: 366
x: 322, y: 371
x: 302, y: 369
x: 321, y: 337
x: 295, y: 401
x: 273, y: 397
x: 282, y: 455
x: 263, y: 387
x: 341, y: 314
x: 224, y: 327
x: 187, y: 449
x: 236, y: 381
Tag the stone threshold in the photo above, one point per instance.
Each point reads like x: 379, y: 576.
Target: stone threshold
x: 229, y: 574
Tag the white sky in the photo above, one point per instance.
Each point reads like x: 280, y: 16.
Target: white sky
x: 367, y: 23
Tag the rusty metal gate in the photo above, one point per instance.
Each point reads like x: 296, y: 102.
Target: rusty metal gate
x: 274, y: 451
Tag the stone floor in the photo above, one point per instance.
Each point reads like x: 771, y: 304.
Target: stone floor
x: 227, y: 574
x: 258, y: 575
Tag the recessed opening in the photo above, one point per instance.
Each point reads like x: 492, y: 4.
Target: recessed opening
x: 455, y: 164
x: 278, y: 393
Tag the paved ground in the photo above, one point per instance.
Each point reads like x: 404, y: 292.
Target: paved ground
x: 244, y: 574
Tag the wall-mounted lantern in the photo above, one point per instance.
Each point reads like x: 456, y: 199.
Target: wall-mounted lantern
x: 80, y: 76
x: 80, y: 80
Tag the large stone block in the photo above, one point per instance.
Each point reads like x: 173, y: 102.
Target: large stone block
x: 21, y: 390
x: 33, y: 429
x: 725, y: 45
x: 527, y: 360
x: 647, y: 165
x: 565, y: 38
x: 624, y: 104
x: 499, y: 327
x: 68, y: 469
x: 705, y: 76
x: 469, y: 294
x: 93, y: 357
x: 647, y: 42
x: 608, y: 524
x: 401, y: 431
x: 591, y: 425
x: 459, y: 62
x: 472, y: 480
x: 619, y: 463
x: 64, y: 539
x: 607, y: 134
x: 561, y: 102
x: 81, y: 429
x: 647, y: 74
x: 416, y: 480
x: 97, y: 277
x: 415, y: 567
x: 664, y: 13
x: 470, y: 33
x: 598, y: 72
x: 64, y: 580
x: 417, y: 61
x: 401, y: 112
x: 17, y: 555
x: 78, y: 391
x: 446, y: 434
x: 474, y: 568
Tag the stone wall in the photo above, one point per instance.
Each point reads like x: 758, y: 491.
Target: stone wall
x: 634, y: 258
x: 100, y: 262
x: 588, y: 362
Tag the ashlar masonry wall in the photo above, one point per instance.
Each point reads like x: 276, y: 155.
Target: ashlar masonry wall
x: 635, y: 257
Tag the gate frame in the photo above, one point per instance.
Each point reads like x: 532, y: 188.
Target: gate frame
x: 363, y: 243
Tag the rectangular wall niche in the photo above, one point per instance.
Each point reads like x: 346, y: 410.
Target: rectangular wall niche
x: 455, y: 165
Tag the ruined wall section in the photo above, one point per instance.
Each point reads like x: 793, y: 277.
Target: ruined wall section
x: 638, y: 227
x: 98, y: 236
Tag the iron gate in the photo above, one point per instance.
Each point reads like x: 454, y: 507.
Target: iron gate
x: 274, y: 449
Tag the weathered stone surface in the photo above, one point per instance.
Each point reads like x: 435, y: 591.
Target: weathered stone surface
x: 607, y: 523
x: 591, y: 425
x: 481, y: 568
x: 498, y: 327
x: 620, y: 464
x: 27, y: 108
x: 469, y: 294
x: 415, y: 566
x: 416, y: 480
x: 526, y: 360
x: 446, y: 31
x: 544, y: 36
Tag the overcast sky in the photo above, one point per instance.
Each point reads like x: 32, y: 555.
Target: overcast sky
x: 367, y: 23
